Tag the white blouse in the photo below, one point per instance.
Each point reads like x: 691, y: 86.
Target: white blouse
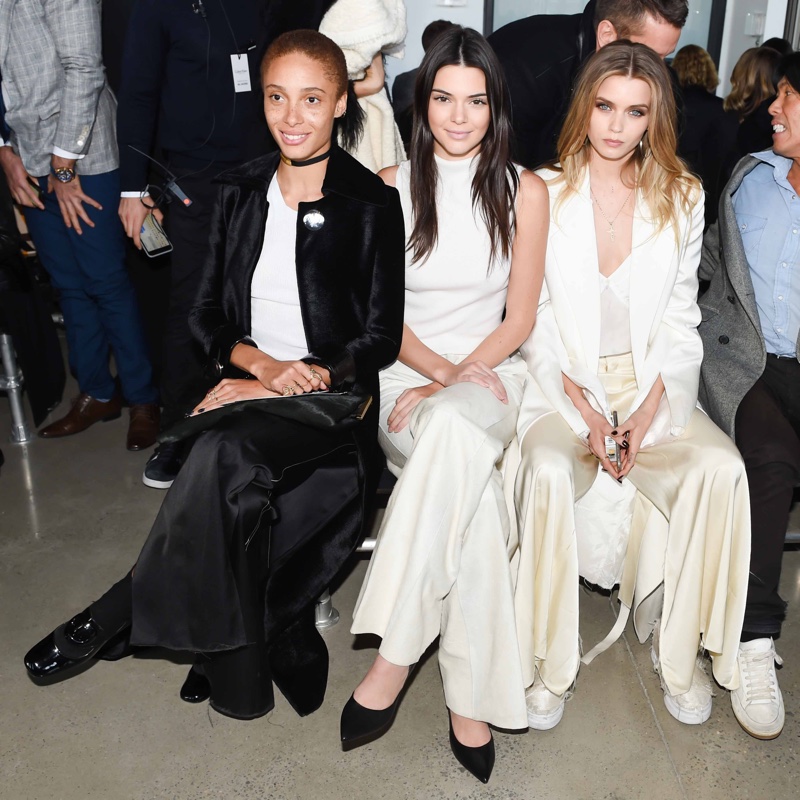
x: 276, y: 323
x: 615, y: 311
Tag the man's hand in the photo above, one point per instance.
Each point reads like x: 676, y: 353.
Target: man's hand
x: 70, y: 197
x: 19, y: 180
x: 132, y: 212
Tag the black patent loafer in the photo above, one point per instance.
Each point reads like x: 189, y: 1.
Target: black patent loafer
x: 70, y: 645
x: 479, y: 761
x: 196, y: 687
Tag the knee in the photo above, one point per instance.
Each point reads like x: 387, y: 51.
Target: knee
x: 543, y: 462
x: 773, y: 454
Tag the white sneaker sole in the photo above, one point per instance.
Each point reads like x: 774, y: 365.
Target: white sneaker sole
x: 695, y: 716
x: 758, y: 731
x: 154, y: 484
x: 546, y: 722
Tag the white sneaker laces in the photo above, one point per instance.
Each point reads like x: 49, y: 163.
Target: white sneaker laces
x: 758, y: 675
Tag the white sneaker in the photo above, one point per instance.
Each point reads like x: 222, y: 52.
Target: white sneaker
x: 758, y: 702
x: 545, y: 709
x: 692, y: 707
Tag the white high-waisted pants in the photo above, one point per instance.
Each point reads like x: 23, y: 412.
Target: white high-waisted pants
x: 441, y: 566
x: 696, y: 481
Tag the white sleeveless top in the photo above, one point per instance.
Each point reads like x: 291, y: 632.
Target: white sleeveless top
x: 455, y: 298
x: 276, y: 323
x: 615, y: 314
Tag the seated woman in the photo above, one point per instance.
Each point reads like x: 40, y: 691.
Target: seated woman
x: 302, y: 292
x: 618, y: 332
x: 476, y: 228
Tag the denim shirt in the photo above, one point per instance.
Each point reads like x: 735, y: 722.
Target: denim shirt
x: 767, y: 210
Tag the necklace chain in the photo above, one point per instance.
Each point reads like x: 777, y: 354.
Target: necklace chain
x: 605, y: 216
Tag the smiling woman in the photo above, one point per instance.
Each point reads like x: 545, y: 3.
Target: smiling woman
x: 302, y: 293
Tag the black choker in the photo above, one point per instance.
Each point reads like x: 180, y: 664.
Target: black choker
x: 307, y: 162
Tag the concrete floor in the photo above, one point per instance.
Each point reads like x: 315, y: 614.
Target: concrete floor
x: 73, y: 516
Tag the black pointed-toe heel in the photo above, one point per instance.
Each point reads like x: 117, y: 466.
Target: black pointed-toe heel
x: 360, y: 725
x: 477, y: 760
x: 72, y: 644
x: 196, y: 687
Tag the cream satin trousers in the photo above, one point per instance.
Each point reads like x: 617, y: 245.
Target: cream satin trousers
x: 696, y: 481
x: 441, y: 566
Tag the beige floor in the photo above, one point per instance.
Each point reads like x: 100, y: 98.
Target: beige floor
x: 73, y: 515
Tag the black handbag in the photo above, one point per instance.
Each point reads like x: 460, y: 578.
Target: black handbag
x: 322, y: 410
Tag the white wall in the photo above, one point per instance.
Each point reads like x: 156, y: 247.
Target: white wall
x: 419, y: 14
x: 734, y: 40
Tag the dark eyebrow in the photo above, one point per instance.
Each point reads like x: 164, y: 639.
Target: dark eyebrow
x: 444, y: 91
x: 636, y: 105
x: 306, y: 89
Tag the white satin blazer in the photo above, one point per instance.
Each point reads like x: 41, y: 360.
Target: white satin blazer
x: 664, y: 316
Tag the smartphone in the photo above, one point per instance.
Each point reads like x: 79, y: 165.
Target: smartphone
x: 612, y: 446
x: 154, y: 240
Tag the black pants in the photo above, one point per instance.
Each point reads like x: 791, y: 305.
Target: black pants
x: 768, y: 436
x: 183, y: 379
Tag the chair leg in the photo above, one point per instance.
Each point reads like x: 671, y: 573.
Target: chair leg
x: 325, y: 615
x: 11, y: 382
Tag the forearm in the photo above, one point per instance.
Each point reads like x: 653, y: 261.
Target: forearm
x: 420, y: 357
x: 502, y: 342
x: 576, y: 395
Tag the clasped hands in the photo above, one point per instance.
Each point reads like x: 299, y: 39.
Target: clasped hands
x: 628, y: 435
x: 465, y: 372
x: 274, y: 379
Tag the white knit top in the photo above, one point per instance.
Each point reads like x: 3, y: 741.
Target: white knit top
x: 276, y: 324
x: 455, y: 298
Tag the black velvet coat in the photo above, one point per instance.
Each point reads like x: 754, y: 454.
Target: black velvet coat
x: 351, y: 284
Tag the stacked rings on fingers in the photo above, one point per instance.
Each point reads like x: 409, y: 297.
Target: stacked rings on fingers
x: 315, y: 374
x: 287, y: 390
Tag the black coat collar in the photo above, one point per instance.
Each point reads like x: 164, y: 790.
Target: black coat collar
x: 345, y: 176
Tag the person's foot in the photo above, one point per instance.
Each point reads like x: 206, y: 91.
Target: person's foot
x: 470, y: 732
x: 381, y: 685
x: 692, y: 707
x: 758, y: 702
x: 143, y: 426
x: 473, y: 746
x: 163, y: 466
x: 85, y: 411
x: 545, y: 709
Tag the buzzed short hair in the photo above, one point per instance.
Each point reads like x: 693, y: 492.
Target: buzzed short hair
x: 628, y: 16
x: 317, y: 47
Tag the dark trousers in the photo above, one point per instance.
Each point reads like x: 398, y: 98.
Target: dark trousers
x: 95, y: 292
x: 183, y: 378
x: 768, y: 436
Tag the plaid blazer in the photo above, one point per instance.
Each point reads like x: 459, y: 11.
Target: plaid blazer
x: 54, y: 84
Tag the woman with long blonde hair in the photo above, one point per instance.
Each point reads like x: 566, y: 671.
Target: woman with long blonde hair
x: 615, y: 360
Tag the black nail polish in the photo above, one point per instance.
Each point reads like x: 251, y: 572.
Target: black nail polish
x: 619, y: 480
x: 200, y: 410
x: 613, y: 433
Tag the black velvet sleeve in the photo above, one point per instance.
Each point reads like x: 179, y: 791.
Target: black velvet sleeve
x: 379, y: 345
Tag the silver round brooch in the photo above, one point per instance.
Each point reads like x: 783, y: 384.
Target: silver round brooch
x: 313, y: 220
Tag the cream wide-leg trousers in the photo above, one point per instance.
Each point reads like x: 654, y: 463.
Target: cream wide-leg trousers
x: 696, y: 481
x: 441, y: 566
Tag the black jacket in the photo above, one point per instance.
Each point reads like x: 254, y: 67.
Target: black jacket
x: 541, y: 56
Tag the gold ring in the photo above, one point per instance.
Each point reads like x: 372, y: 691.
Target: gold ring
x: 287, y: 390
x: 315, y: 374
x: 214, y: 395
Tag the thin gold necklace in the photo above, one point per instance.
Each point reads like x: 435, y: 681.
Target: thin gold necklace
x: 605, y: 216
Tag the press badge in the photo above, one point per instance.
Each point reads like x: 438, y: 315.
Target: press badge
x: 241, y: 72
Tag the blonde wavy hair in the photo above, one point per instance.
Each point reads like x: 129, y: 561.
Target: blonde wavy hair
x: 667, y: 187
x: 695, y: 67
x: 752, y: 80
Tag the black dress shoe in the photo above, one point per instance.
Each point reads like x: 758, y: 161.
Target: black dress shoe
x: 360, y: 725
x: 71, y: 644
x: 477, y: 760
x: 196, y: 687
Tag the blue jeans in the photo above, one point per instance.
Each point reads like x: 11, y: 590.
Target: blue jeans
x: 96, y: 295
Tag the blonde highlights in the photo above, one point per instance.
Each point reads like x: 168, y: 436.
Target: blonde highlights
x: 665, y: 185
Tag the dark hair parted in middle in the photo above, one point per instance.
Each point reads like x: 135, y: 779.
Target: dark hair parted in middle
x: 494, y: 186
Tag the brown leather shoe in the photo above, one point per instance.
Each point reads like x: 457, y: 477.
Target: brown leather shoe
x: 143, y: 427
x: 85, y: 412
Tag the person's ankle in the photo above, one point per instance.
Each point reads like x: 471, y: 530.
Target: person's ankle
x: 381, y: 685
x: 470, y: 732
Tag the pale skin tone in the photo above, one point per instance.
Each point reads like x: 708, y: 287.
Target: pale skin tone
x: 70, y: 196
x: 300, y: 104
x: 655, y: 32
x: 619, y: 119
x: 459, y: 117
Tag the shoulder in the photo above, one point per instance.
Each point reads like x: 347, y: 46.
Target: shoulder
x: 532, y: 187
x: 389, y: 175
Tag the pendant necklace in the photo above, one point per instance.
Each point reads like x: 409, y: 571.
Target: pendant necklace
x: 605, y: 216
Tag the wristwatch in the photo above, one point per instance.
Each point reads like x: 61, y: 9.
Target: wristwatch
x: 64, y: 174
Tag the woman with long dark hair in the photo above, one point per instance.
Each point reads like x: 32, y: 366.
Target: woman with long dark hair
x: 299, y: 308
x: 476, y: 227
x: 615, y: 358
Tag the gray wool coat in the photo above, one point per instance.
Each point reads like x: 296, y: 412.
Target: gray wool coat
x: 734, y: 350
